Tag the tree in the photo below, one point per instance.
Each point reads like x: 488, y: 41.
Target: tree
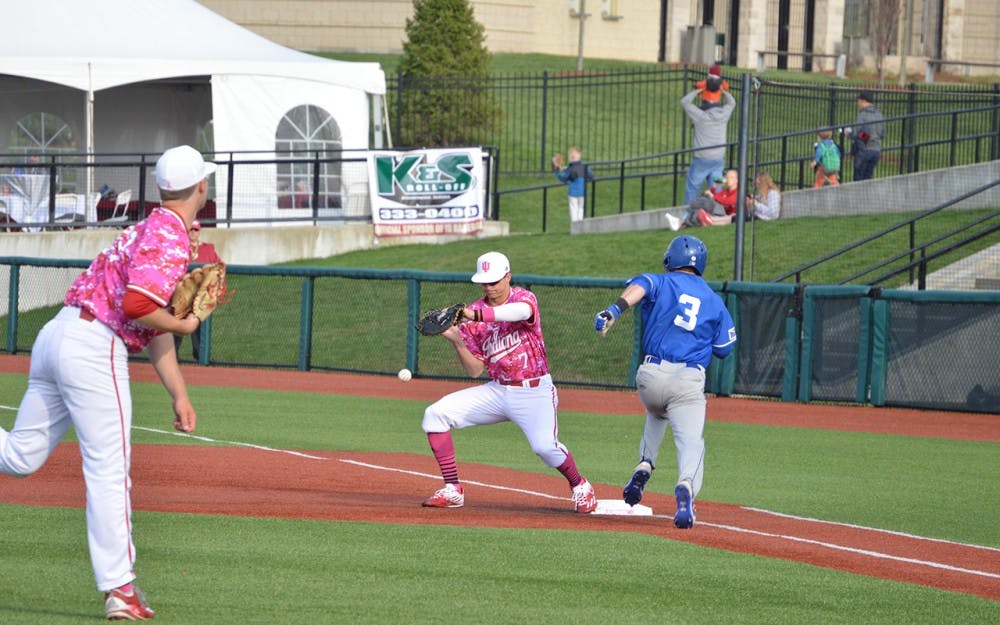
x: 445, y: 96
x: 885, y: 28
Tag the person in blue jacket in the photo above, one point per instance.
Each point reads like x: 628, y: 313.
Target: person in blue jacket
x: 576, y: 175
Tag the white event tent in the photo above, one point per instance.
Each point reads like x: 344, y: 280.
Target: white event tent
x: 144, y: 75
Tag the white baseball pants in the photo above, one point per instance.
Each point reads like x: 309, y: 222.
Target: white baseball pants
x: 531, y: 409
x: 79, y: 376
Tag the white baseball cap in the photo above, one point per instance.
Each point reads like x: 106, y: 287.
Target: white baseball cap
x: 490, y: 267
x: 182, y: 167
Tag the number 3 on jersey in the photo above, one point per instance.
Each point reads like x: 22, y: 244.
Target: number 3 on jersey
x: 688, y: 318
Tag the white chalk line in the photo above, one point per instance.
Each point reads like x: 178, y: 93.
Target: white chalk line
x: 731, y: 528
x: 871, y: 529
x: 866, y: 552
x: 233, y: 443
x: 438, y: 477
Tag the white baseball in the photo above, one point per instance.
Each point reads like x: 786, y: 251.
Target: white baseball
x: 405, y: 375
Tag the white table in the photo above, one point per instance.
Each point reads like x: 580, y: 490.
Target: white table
x: 26, y: 196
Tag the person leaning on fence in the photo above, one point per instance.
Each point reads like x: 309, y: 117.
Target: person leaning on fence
x: 866, y: 137
x: 707, y: 160
x: 576, y: 175
x: 826, y: 160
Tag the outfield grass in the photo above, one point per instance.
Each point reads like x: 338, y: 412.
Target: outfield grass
x: 210, y: 569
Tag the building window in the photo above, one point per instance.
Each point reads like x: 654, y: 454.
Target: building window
x: 856, y: 18
x: 305, y: 133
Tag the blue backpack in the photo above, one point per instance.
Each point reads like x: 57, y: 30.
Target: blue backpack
x: 829, y: 157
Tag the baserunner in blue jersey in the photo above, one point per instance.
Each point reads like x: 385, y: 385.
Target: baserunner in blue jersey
x: 685, y: 323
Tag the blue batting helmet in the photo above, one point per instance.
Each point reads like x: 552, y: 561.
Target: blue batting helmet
x: 685, y: 251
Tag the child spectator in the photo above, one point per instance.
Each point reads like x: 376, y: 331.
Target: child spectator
x: 712, y: 88
x: 826, y: 160
x: 576, y: 175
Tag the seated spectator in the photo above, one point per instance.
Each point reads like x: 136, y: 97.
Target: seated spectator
x: 766, y: 205
x: 725, y: 194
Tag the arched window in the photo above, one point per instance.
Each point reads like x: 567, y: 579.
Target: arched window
x: 42, y: 133
x: 39, y: 137
x: 304, y: 133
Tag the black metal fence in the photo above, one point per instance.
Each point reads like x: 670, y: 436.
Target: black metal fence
x: 51, y: 192
x: 618, y: 115
x: 915, y: 142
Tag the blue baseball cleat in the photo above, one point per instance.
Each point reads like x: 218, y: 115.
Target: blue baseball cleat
x: 633, y: 490
x: 684, y: 518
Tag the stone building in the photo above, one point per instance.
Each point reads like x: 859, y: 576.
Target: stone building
x: 734, y: 32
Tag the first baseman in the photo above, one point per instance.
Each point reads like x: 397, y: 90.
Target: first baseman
x: 685, y: 323
x: 79, y: 370
x: 501, y: 333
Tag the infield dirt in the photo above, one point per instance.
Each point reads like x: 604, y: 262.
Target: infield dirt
x: 254, y: 482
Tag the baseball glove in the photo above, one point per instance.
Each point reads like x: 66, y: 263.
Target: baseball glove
x: 200, y: 291
x: 437, y: 321
x: 557, y: 161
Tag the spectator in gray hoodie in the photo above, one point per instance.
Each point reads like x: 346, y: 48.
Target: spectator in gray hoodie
x: 707, y: 164
x: 866, y: 137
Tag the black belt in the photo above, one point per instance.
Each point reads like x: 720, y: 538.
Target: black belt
x: 655, y: 360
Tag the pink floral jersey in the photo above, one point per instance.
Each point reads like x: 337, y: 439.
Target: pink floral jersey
x: 150, y: 258
x: 512, y: 350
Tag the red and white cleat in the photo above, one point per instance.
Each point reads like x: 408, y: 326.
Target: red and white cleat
x: 451, y: 496
x: 121, y: 606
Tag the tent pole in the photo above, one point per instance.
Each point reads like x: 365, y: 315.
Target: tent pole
x: 90, y: 138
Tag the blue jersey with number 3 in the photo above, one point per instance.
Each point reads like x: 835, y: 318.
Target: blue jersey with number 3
x: 684, y: 320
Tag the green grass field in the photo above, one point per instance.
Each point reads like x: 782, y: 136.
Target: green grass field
x: 219, y: 570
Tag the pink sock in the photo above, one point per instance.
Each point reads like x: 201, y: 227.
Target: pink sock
x: 444, y: 452
x: 568, y: 469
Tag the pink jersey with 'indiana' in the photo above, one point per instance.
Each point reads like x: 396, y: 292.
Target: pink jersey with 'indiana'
x: 150, y: 258
x: 512, y: 350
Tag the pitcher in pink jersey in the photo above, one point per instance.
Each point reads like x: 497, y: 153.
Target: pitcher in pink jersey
x: 501, y: 334
x: 79, y: 370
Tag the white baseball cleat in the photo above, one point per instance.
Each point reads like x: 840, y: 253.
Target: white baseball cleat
x: 673, y: 222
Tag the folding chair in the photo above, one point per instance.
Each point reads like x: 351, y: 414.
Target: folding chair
x: 66, y: 214
x: 121, y: 206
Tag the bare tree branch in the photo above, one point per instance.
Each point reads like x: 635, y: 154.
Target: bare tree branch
x: 885, y: 16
